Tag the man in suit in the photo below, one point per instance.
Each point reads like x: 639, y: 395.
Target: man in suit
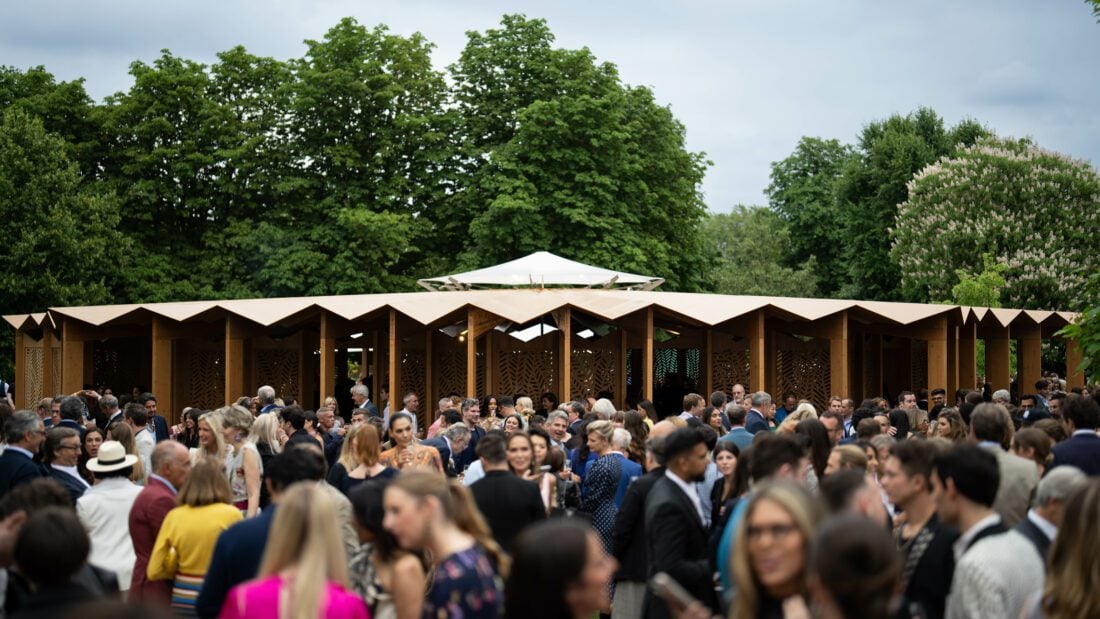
x: 266, y: 396
x: 25, y: 433
x: 471, y: 415
x: 169, y: 466
x: 112, y: 414
x: 995, y: 569
x: 988, y: 425
x: 629, y: 470
x: 508, y: 502
x: 293, y: 420
x: 71, y: 411
x: 62, y: 452
x: 360, y: 394
x: 557, y: 425
x: 1082, y: 448
x: 239, y: 548
x: 160, y: 426
x: 676, y: 537
x: 757, y: 419
x: 737, y: 435
x: 451, y: 441
x: 1045, y: 517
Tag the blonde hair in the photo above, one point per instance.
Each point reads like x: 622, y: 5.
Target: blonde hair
x: 604, y: 428
x: 347, y: 451
x: 804, y: 410
x: 369, y: 446
x: 205, y: 485
x: 1072, y: 569
x: 266, y: 430
x: 524, y: 405
x: 851, y: 457
x: 806, y: 513
x: 214, y: 420
x: 303, y: 535
x: 458, y: 506
x: 125, y: 434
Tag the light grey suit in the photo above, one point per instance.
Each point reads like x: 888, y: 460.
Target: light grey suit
x: 1019, y: 477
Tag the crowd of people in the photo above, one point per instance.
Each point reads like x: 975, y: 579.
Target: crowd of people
x: 733, y: 505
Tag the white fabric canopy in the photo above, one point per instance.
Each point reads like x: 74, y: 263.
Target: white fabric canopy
x: 541, y: 269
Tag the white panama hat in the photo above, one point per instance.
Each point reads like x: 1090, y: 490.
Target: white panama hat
x: 112, y: 457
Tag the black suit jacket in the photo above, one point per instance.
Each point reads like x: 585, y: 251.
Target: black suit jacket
x: 160, y: 427
x: 1033, y: 533
x: 444, y: 454
x: 508, y: 503
x: 16, y: 469
x: 925, y: 594
x: 677, y: 545
x: 468, y: 455
x: 1082, y: 451
x: 70, y: 483
x: 628, y: 538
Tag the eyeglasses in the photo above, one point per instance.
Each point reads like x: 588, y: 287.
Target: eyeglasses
x: 776, y: 531
x: 76, y: 447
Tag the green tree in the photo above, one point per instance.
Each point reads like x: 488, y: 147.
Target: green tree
x: 803, y: 192
x: 61, y: 241
x: 751, y: 247
x: 1085, y: 330
x: 1033, y: 210
x: 875, y: 182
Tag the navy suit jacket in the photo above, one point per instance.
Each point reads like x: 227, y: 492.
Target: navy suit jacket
x: 630, y: 471
x: 468, y: 455
x: 236, y: 559
x: 17, y: 469
x: 69, y: 423
x: 71, y: 484
x: 160, y: 427
x: 755, y: 422
x: 1082, y: 451
x: 444, y: 454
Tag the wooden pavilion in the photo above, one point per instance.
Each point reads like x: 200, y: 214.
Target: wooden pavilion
x: 567, y: 328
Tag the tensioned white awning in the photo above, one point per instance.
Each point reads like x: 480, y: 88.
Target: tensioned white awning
x: 539, y: 270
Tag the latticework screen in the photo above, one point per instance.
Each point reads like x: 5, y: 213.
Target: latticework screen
x: 122, y: 363
x: 278, y: 367
x: 526, y: 368
x: 803, y: 368
x: 200, y: 371
x: 449, y: 371
x: 32, y: 358
x: 593, y: 370
x: 730, y: 367
x: 918, y: 366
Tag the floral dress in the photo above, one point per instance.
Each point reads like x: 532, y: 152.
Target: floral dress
x: 423, y: 457
x: 466, y: 586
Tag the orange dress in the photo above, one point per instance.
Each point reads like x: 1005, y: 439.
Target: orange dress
x: 422, y: 456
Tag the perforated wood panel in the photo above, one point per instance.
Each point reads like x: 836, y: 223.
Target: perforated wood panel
x: 200, y: 373
x: 32, y: 358
x: 449, y: 371
x: 412, y: 379
x: 55, y: 384
x: 593, y: 370
x: 803, y: 368
x: 121, y: 363
x: 278, y: 367
x: 730, y: 367
x: 528, y: 368
x: 918, y: 367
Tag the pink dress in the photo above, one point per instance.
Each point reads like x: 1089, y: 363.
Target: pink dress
x: 259, y: 599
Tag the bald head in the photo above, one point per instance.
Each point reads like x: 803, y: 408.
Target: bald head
x: 662, y: 428
x: 172, y: 461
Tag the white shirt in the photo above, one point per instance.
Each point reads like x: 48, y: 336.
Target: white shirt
x: 1046, y: 526
x: 689, y: 491
x: 145, y: 441
x: 473, y: 473
x: 964, y: 540
x: 105, y: 509
x: 71, y: 470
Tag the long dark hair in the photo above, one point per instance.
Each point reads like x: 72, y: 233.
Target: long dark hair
x: 819, y: 443
x: 366, y: 505
x: 733, y: 485
x: 650, y: 410
x: 547, y: 558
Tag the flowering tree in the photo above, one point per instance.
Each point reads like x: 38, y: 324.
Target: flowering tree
x: 1034, y: 211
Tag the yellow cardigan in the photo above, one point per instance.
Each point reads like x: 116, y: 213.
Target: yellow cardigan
x: 186, y: 539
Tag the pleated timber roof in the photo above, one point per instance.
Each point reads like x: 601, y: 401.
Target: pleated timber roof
x: 522, y: 305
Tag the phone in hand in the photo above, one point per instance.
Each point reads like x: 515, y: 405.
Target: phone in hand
x: 677, y: 598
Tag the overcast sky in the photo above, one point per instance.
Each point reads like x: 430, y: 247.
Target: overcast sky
x: 748, y: 79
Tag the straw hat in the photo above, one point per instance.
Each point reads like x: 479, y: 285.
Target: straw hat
x: 112, y: 457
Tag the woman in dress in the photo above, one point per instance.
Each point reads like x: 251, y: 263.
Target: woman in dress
x: 211, y: 439
x: 347, y: 461
x: 406, y: 453
x: 304, y: 571
x: 265, y: 436
x: 547, y: 479
x: 729, y: 486
x: 489, y: 419
x: 367, y: 451
x: 426, y: 512
x: 243, y: 467
x: 390, y: 580
x: 188, y: 428
x: 185, y: 543
x: 602, y: 481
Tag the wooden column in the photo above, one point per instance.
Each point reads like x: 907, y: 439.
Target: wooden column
x: 708, y: 365
x: 375, y: 366
x: 234, y: 359
x: 968, y: 358
x: 903, y: 367
x: 1074, y: 376
x: 47, y: 362
x: 620, y: 368
x: 327, y: 346
x: 307, y: 343
x: 952, y: 364
x: 427, y: 408
x: 758, y: 353
x: 491, y: 362
x: 564, y: 319
x: 872, y: 356
x: 22, y: 387
x: 998, y: 366
x: 163, y: 376
x: 478, y: 323
x: 1029, y: 356
x: 72, y: 357
x: 837, y: 328
x: 396, y: 397
x: 935, y: 333
x: 647, y: 357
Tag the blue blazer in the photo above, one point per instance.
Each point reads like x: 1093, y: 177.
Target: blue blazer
x: 236, y: 559
x: 17, y: 469
x: 630, y: 471
x: 755, y: 422
x: 70, y: 483
x: 740, y: 437
x: 444, y: 454
x: 1082, y: 451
